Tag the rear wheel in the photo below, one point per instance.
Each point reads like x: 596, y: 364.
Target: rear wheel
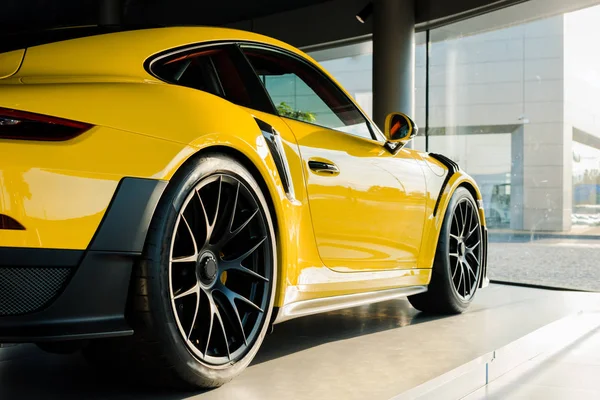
x: 205, y: 289
x: 457, y: 264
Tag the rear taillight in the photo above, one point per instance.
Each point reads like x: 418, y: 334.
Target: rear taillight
x: 21, y: 125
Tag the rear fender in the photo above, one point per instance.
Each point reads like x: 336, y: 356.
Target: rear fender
x: 191, y: 120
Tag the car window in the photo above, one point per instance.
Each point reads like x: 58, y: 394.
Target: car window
x: 214, y: 70
x: 300, y: 92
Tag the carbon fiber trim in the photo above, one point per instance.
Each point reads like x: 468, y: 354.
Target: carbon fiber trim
x: 26, y: 290
x: 452, y: 169
x: 276, y: 148
x: 485, y: 280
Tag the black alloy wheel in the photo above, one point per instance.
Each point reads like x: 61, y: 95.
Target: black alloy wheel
x: 456, y: 272
x: 218, y: 272
x: 202, y: 296
x: 465, y: 249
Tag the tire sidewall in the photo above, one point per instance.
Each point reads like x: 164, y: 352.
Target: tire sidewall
x: 159, y: 245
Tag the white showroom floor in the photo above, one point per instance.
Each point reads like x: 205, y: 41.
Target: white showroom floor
x: 381, y: 351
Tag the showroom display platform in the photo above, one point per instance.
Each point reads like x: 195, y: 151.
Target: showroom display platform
x: 380, y: 351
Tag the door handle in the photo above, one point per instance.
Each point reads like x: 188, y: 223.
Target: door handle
x: 323, y: 167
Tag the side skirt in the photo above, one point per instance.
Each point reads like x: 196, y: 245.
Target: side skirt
x: 316, y: 306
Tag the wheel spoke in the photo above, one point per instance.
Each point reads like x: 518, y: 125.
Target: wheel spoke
x: 229, y: 234
x: 210, y: 328
x: 239, y: 267
x: 232, y: 296
x: 193, y: 258
x: 470, y: 269
x: 195, y: 314
x: 460, y: 279
x: 191, y: 233
x: 208, y: 225
x: 472, y: 231
x: 476, y: 260
x: 238, y: 319
x: 471, y: 248
x: 217, y: 221
x: 453, y: 254
x: 455, y: 268
x: 247, y: 253
x: 218, y: 200
x: 235, y: 201
x: 244, y: 224
x: 194, y: 289
x: 455, y: 237
x: 455, y: 218
x: 467, y: 223
x: 468, y: 276
x: 218, y: 315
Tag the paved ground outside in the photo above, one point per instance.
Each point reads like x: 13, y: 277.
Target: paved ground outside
x: 562, y: 263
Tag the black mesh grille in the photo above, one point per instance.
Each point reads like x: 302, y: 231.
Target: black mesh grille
x: 25, y: 290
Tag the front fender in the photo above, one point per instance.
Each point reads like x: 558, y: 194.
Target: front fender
x: 446, y: 176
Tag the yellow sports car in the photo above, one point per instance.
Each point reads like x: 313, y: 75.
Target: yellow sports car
x: 168, y: 194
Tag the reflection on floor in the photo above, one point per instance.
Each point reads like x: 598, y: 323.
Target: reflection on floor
x: 375, y: 352
x: 570, y: 373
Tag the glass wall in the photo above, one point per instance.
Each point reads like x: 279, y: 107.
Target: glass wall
x: 517, y: 105
x: 515, y: 100
x: 352, y: 66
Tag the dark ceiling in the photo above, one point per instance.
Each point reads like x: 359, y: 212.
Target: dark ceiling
x: 19, y: 15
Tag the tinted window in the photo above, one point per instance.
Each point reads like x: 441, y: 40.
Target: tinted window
x: 215, y: 70
x: 300, y: 92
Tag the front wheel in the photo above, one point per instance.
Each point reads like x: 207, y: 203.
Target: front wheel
x: 458, y: 259
x: 204, y: 291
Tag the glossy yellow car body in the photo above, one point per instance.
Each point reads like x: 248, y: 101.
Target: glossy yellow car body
x: 346, y: 240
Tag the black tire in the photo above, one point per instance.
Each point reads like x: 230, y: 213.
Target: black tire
x: 159, y: 350
x: 443, y: 296
x: 63, y: 348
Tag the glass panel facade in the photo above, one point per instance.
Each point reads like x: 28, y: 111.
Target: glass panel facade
x: 516, y: 106
x: 515, y: 100
x: 352, y: 67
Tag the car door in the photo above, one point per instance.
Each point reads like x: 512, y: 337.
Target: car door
x: 367, y: 204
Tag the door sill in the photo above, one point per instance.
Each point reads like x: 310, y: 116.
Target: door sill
x: 317, y: 306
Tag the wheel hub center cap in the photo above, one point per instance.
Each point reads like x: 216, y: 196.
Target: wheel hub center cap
x: 462, y: 249
x: 207, y: 268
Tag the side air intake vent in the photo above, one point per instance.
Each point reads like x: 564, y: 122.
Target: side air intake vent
x: 452, y: 169
x: 9, y: 223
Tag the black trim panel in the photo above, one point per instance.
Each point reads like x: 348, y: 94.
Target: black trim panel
x: 128, y: 217
x: 452, y: 169
x: 484, y: 281
x: 93, y: 302
x: 270, y: 135
x: 48, y: 258
x: 10, y: 224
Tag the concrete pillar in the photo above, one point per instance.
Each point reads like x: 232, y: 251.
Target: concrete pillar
x: 541, y: 185
x: 110, y: 12
x: 393, y: 58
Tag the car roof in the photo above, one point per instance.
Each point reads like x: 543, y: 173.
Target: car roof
x: 24, y: 39
x: 115, y: 50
